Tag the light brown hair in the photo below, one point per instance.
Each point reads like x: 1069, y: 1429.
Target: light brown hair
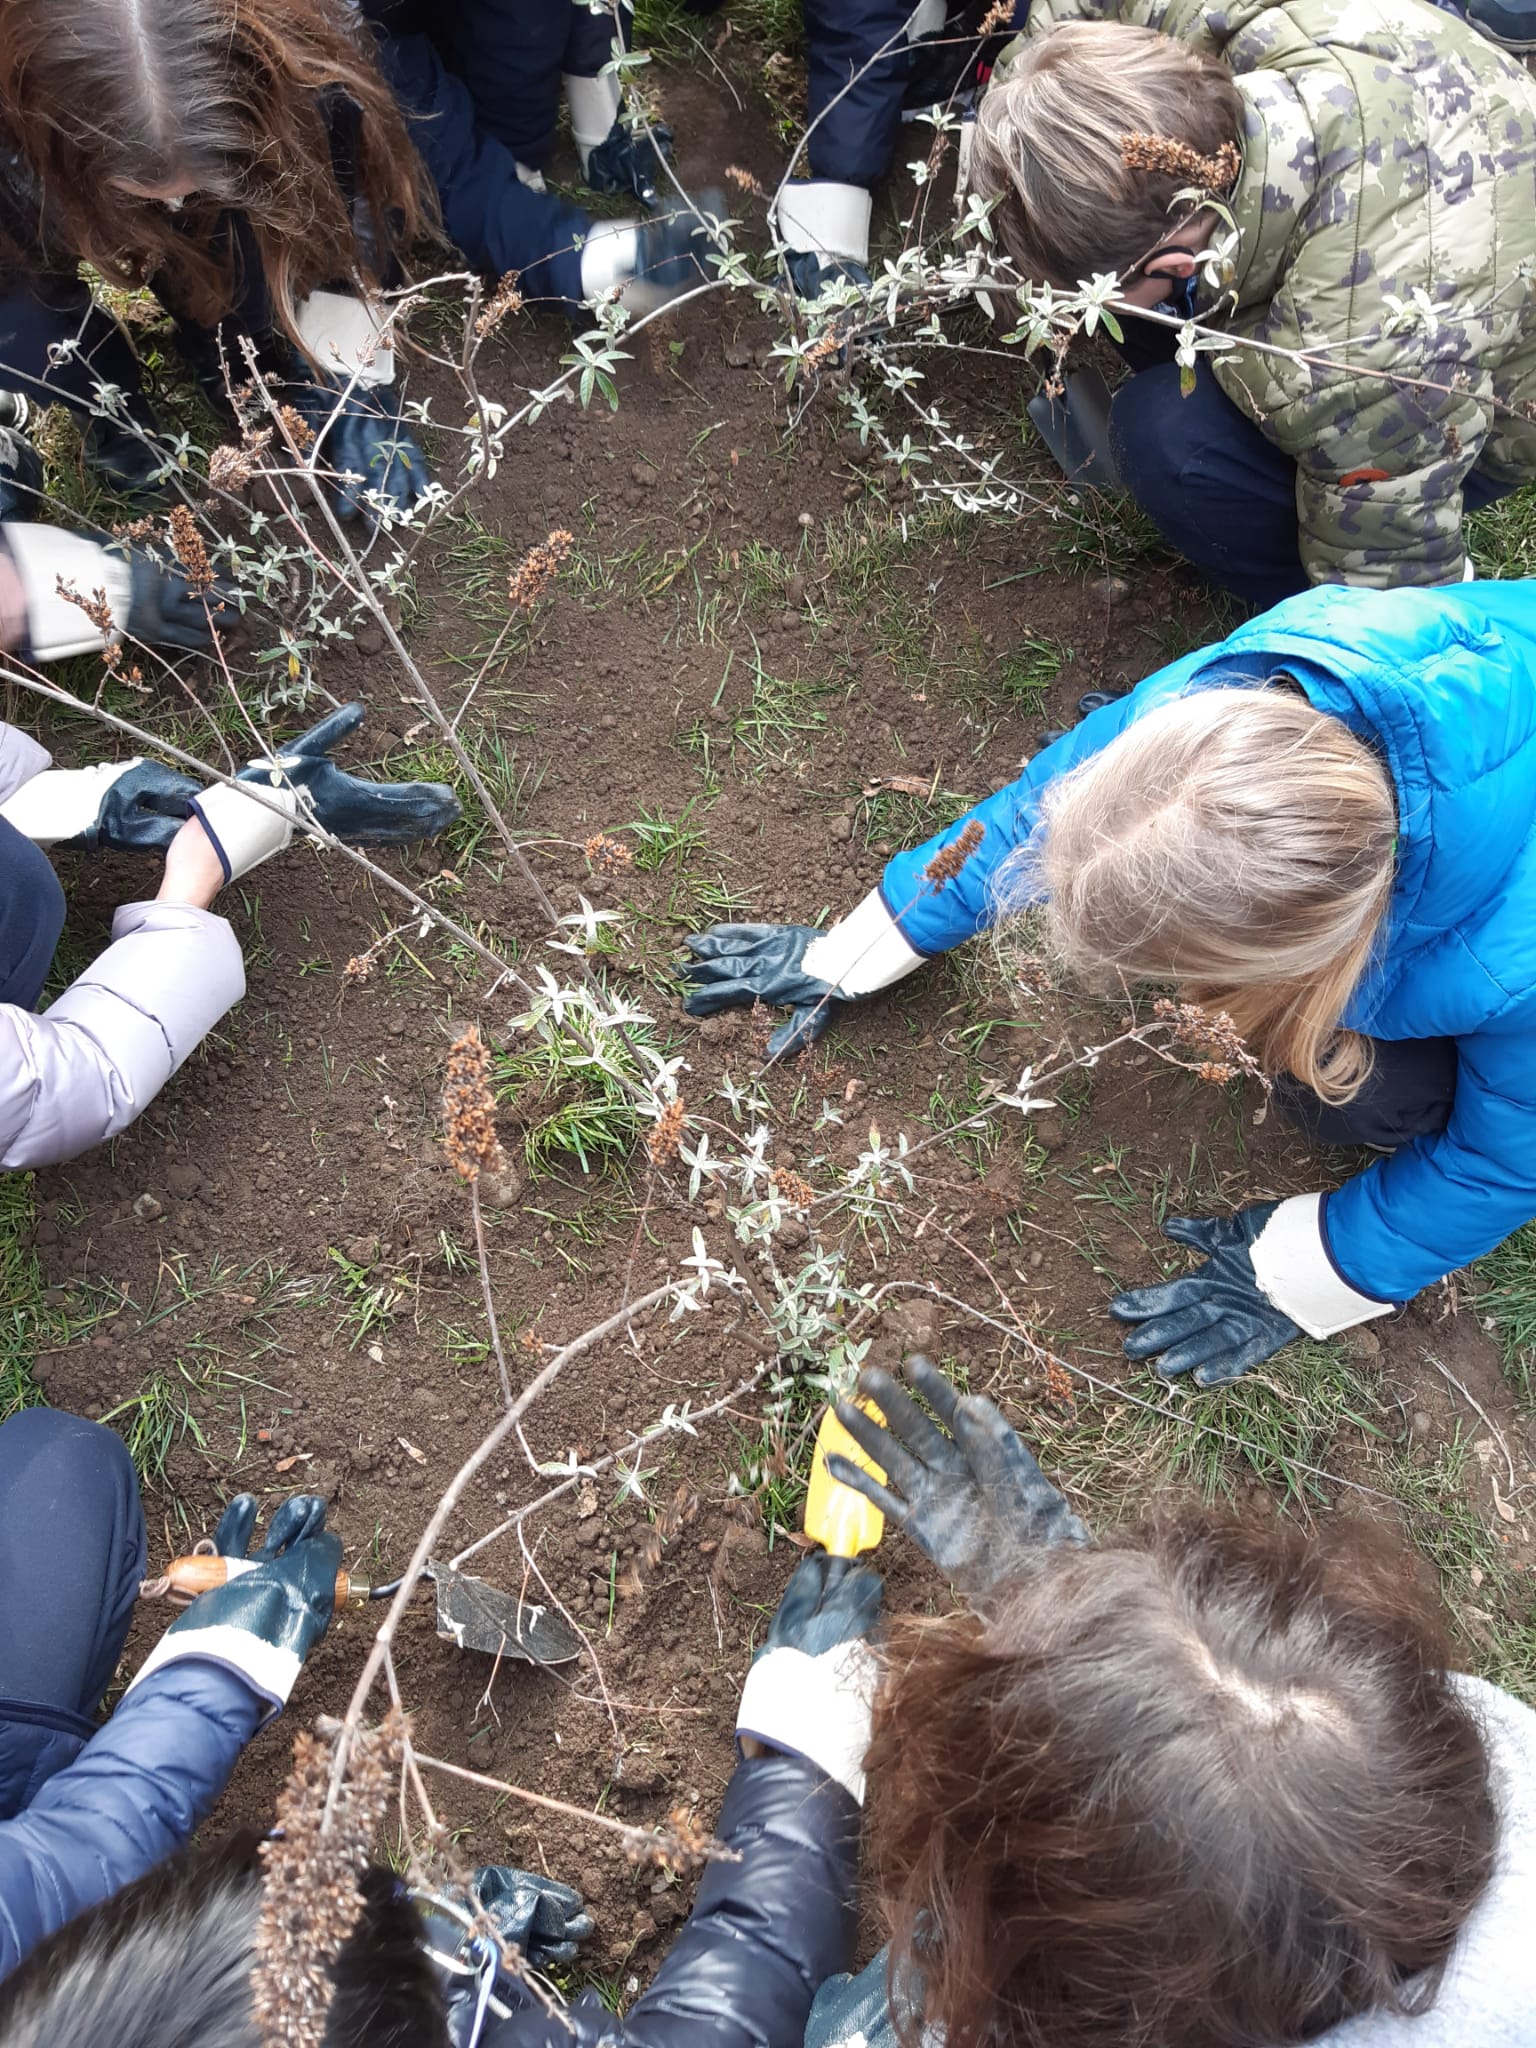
x: 1203, y: 1786
x: 1051, y: 139
x: 229, y: 96
x: 1236, y: 842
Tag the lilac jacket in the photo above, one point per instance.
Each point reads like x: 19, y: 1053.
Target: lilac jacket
x: 83, y: 1070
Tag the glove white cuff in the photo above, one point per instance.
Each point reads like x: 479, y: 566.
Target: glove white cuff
x: 344, y: 336
x: 1295, y: 1272
x: 594, y: 105
x: 245, y: 831
x: 826, y: 218
x: 45, y: 555
x: 821, y: 1708
x: 63, y: 803
x: 863, y: 952
x: 269, y: 1671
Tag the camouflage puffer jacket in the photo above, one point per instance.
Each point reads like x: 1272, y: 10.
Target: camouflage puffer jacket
x: 1386, y: 215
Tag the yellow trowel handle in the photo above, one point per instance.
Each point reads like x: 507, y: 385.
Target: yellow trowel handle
x: 843, y: 1522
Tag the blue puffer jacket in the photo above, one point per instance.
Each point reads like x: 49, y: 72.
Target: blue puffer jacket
x: 1443, y: 684
x: 124, y: 1800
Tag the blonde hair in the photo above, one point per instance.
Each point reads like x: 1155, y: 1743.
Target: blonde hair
x: 1052, y: 136
x: 1237, y: 842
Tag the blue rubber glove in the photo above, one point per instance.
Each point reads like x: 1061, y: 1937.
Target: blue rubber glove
x: 828, y: 1601
x: 368, y: 447
x: 165, y: 610
x: 674, y: 248
x: 545, y: 1919
x: 142, y: 811
x: 811, y: 273
x: 1214, y: 1322
x: 970, y: 1501
x: 810, y: 1691
x: 737, y: 965
x: 630, y: 162
x: 275, y: 1606
x: 362, y: 813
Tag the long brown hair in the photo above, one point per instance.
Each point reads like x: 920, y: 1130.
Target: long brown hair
x: 227, y: 96
x: 1240, y: 843
x: 1203, y: 1786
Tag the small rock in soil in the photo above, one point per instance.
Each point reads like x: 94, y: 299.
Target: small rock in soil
x: 147, y: 1208
x: 737, y: 356
x: 915, y: 1325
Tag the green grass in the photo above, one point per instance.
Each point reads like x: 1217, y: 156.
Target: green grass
x: 573, y: 1109
x: 154, y: 1420
x: 23, y: 1315
x: 1506, y: 1297
x: 1502, y: 539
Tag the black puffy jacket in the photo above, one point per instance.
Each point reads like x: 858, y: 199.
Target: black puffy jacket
x: 763, y: 1935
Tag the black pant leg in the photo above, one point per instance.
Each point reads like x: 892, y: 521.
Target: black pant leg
x: 31, y: 918
x: 1408, y: 1095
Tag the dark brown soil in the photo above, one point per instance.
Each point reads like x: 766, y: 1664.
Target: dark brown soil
x: 308, y: 1126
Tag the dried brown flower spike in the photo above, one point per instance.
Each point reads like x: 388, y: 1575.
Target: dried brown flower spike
x: 504, y: 300
x: 538, y: 569
x: 1216, y: 173
x: 191, y: 551
x: 949, y: 860
x: 609, y: 855
x: 666, y: 1134
x: 469, y: 1110
x: 310, y: 1895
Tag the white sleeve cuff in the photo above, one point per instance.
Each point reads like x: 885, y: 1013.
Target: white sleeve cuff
x: 594, y: 105
x: 246, y: 832
x: 826, y: 218
x: 821, y: 1708
x: 44, y: 556
x: 863, y: 952
x: 270, y: 1672
x: 63, y: 803
x: 1294, y: 1271
x: 344, y: 336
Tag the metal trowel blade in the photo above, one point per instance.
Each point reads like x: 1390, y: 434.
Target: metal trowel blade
x: 478, y: 1616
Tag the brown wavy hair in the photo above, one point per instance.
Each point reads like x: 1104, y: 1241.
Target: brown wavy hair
x: 1203, y: 1786
x: 227, y: 96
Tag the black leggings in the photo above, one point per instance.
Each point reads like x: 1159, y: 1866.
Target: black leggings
x: 1409, y: 1094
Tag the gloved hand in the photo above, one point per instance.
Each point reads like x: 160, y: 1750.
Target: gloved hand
x: 810, y: 272
x: 649, y: 262
x: 736, y: 965
x: 970, y: 1501
x: 1214, y: 1322
x: 275, y: 1606
x: 149, y: 601
x: 21, y: 467
x: 128, y: 462
x: 136, y: 806
x: 304, y: 777
x: 368, y: 447
x: 629, y: 160
x: 165, y: 610
x: 810, y: 1691
x: 545, y: 1919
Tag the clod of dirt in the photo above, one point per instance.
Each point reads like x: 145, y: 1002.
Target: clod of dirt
x: 147, y: 1208
x: 737, y: 356
x: 915, y: 1324
x: 184, y: 1178
x: 794, y: 590
x: 1112, y: 589
x: 1048, y: 1132
x: 501, y: 1190
x: 840, y: 828
x: 637, y: 1773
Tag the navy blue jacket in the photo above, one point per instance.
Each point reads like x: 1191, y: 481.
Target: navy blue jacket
x: 97, y: 1807
x: 853, y: 139
x: 1443, y: 684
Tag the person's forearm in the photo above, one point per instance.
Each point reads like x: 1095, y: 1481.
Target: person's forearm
x: 91, y: 1063
x: 131, y: 1798
x: 21, y: 758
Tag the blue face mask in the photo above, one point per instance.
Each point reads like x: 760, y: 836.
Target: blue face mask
x: 1181, y: 300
